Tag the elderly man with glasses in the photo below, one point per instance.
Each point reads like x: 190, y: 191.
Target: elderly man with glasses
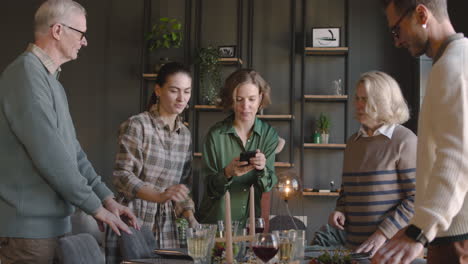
x: 45, y: 173
x: 441, y: 207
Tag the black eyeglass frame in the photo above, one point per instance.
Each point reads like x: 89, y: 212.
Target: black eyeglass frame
x: 395, y: 30
x: 83, y: 34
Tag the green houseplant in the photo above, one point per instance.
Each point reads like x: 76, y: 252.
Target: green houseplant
x: 323, y: 126
x: 165, y: 34
x: 210, y: 74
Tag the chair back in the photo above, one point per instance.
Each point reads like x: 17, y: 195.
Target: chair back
x: 285, y: 222
x: 139, y: 245
x: 79, y: 249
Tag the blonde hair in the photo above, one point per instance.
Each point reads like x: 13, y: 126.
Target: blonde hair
x: 385, y: 102
x: 55, y: 11
x: 239, y: 78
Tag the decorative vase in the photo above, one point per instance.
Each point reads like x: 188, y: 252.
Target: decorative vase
x: 317, y: 138
x: 324, y: 138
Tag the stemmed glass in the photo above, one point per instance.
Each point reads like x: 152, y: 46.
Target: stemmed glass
x: 259, y: 225
x: 265, y: 246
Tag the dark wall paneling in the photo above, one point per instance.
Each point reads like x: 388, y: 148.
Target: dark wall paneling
x: 104, y: 83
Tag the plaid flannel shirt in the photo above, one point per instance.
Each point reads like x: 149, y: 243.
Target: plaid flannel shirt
x: 150, y: 154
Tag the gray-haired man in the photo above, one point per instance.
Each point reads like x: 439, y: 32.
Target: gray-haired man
x: 45, y: 173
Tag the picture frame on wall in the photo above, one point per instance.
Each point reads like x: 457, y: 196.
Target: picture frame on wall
x: 227, y: 51
x: 326, y: 37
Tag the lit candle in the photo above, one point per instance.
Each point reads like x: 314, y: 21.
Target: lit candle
x: 252, y: 212
x: 228, y: 229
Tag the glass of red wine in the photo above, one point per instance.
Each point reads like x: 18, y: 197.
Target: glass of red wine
x: 265, y: 246
x: 259, y: 225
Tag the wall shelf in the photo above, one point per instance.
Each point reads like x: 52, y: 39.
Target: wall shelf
x: 325, y: 98
x: 208, y: 108
x: 326, y: 51
x: 228, y: 61
x: 324, y: 146
x: 276, y: 117
x: 323, y: 194
x: 150, y: 76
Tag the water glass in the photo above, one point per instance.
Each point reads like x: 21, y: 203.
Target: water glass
x: 299, y: 245
x: 287, y: 239
x: 200, y: 240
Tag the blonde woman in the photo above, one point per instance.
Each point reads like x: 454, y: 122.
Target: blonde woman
x: 378, y: 183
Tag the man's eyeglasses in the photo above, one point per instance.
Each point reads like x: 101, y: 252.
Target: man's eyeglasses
x: 395, y: 30
x: 83, y: 34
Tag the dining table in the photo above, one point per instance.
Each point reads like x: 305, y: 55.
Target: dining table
x: 309, y: 253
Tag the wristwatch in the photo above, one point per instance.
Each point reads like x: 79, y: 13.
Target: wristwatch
x: 416, y: 234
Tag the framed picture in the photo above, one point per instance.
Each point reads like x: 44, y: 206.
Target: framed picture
x: 326, y: 37
x: 227, y: 51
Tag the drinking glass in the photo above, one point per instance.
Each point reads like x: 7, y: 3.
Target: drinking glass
x: 265, y: 246
x: 286, y: 239
x: 212, y: 233
x: 199, y: 242
x: 259, y: 225
x: 299, y: 245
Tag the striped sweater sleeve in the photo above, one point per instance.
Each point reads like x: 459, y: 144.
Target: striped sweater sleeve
x: 406, y: 177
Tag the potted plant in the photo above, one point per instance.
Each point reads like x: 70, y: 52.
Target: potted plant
x: 323, y: 126
x: 210, y: 74
x: 165, y: 34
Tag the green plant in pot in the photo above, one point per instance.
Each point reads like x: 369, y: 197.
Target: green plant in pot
x: 210, y: 74
x: 165, y: 34
x: 323, y: 126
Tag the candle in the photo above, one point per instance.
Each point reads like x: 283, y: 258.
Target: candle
x: 228, y: 229
x: 252, y: 211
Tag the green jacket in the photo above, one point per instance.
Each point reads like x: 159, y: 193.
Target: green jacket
x: 221, y: 146
x: 44, y: 171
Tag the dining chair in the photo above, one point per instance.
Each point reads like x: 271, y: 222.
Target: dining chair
x: 139, y: 245
x: 79, y: 249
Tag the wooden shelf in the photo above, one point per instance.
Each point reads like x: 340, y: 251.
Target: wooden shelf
x: 276, y: 117
x: 326, y: 51
x: 326, y: 98
x: 277, y: 164
x: 208, y: 107
x: 150, y: 76
x: 283, y: 165
x: 325, y: 194
x: 324, y: 146
x: 230, y: 61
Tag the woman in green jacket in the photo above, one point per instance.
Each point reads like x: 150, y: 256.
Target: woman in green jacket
x: 245, y: 93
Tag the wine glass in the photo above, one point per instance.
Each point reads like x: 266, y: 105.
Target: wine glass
x: 265, y: 246
x: 259, y: 225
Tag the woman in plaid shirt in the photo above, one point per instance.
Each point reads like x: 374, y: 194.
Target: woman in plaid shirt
x: 153, y: 164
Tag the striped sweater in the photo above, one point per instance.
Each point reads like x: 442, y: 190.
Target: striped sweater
x: 378, y: 184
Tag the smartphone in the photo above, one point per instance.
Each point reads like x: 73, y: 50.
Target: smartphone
x: 245, y: 156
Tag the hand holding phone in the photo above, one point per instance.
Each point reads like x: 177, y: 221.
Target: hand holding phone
x: 245, y: 156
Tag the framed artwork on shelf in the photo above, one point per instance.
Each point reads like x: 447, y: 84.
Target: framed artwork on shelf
x: 326, y: 37
x: 227, y: 51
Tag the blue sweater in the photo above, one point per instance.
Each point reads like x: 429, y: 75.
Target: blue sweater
x: 44, y: 172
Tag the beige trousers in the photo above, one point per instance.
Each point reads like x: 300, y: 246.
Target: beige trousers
x: 25, y: 250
